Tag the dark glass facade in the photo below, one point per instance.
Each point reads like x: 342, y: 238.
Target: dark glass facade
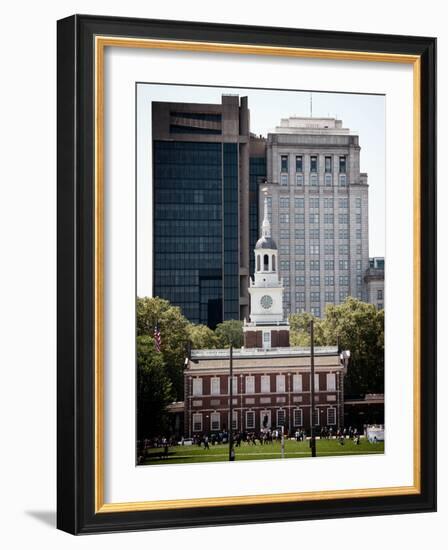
x: 257, y: 174
x: 196, y: 228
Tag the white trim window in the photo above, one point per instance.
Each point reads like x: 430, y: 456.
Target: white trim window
x: 316, y: 382
x: 331, y: 381
x: 197, y: 422
x: 197, y: 386
x: 316, y: 417
x: 280, y: 383
x: 297, y: 383
x: 215, y: 385
x: 298, y: 417
x: 331, y: 416
x: 265, y: 383
x: 281, y: 417
x: 250, y: 384
x: 234, y: 385
x: 250, y: 420
x: 215, y: 421
x: 234, y: 420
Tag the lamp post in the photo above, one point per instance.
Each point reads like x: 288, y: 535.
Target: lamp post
x: 313, y: 435
x: 231, y: 451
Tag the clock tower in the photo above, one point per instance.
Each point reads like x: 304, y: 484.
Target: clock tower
x: 267, y: 327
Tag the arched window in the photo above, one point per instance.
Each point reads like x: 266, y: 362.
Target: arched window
x: 258, y: 262
x: 265, y: 262
x: 273, y: 262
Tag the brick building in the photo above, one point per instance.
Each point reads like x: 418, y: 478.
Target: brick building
x: 271, y: 380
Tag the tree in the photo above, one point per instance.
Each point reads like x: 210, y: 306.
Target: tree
x: 230, y: 333
x: 174, y: 333
x: 300, y: 330
x: 360, y: 329
x: 154, y: 390
x: 202, y: 337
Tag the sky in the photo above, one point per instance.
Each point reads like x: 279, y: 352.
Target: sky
x: 363, y: 114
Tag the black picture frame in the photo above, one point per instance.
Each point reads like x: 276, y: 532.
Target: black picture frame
x: 76, y: 512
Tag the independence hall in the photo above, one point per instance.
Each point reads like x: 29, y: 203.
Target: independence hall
x: 271, y: 385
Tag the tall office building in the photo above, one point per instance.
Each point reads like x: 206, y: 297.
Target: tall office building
x: 374, y: 279
x: 318, y: 201
x: 201, y: 207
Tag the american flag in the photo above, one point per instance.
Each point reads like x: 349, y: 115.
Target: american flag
x: 157, y: 338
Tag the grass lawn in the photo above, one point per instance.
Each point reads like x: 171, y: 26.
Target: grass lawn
x: 293, y: 449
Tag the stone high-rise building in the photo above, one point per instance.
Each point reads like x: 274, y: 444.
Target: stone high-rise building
x: 374, y: 279
x: 319, y: 203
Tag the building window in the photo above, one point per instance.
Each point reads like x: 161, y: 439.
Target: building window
x: 284, y: 218
x: 329, y: 265
x: 298, y: 417
x: 197, y: 386
x: 314, y: 217
x: 299, y: 180
x: 314, y: 249
x: 343, y: 180
x: 265, y: 384
x: 316, y: 417
x: 328, y: 180
x: 234, y: 385
x: 313, y: 179
x: 314, y: 265
x: 343, y: 295
x: 250, y: 384
x: 328, y: 203
x: 280, y: 417
x: 328, y: 218
x: 280, y: 383
x: 380, y: 305
x: 358, y: 264
x: 331, y: 416
x: 286, y: 282
x: 300, y: 249
x: 299, y: 217
x: 313, y: 164
x: 358, y: 280
x: 250, y: 420
x: 315, y: 296
x: 342, y: 165
x: 343, y: 249
x: 300, y: 280
x: 299, y: 202
x: 329, y: 249
x: 343, y: 218
x: 379, y: 294
x: 343, y: 203
x: 197, y: 422
x: 215, y: 421
x: 329, y: 280
x: 343, y: 233
x: 284, y: 249
x: 314, y: 233
x: 316, y: 382
x: 284, y: 202
x: 343, y: 264
x: 266, y: 339
x: 283, y: 179
x: 315, y: 280
x: 358, y: 249
x: 300, y: 265
x: 284, y: 233
x: 315, y: 311
x: 358, y: 218
x: 358, y: 203
x: 331, y: 381
x: 329, y: 296
x: 234, y: 420
x: 284, y: 265
x: 328, y: 165
x: 215, y: 388
x: 314, y: 202
x: 300, y: 297
x: 284, y: 163
x: 297, y: 383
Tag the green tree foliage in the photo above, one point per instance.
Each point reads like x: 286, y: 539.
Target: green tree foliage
x: 358, y: 327
x: 230, y: 333
x: 174, y: 333
x: 154, y: 390
x: 202, y: 337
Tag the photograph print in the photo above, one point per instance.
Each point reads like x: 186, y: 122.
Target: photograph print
x: 260, y: 274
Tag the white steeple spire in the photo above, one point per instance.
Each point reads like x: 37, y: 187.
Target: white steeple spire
x: 266, y: 225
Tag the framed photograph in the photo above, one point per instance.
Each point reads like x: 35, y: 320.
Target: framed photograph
x: 246, y: 274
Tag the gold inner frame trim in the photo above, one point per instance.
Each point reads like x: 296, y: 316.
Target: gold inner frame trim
x: 101, y: 42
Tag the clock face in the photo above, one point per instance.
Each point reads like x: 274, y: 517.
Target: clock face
x: 266, y: 301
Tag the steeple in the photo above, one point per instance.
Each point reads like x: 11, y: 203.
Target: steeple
x: 266, y: 225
